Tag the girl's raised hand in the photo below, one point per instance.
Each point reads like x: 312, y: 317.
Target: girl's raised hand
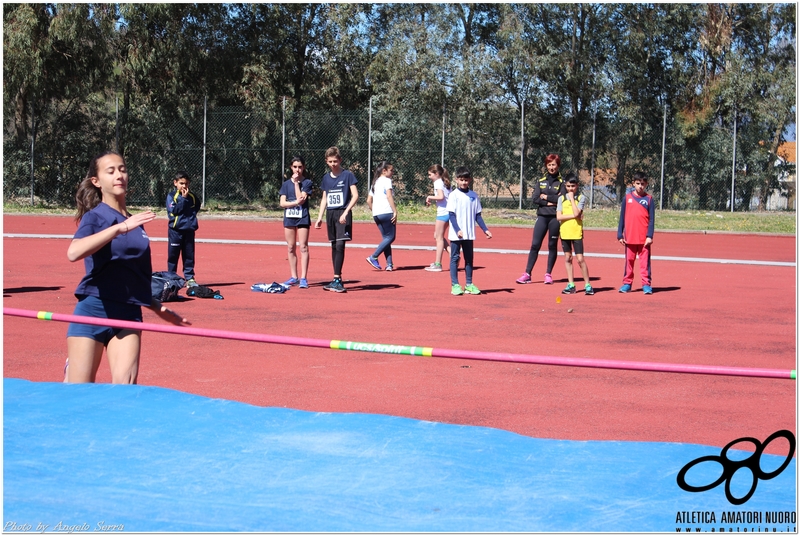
x: 140, y: 219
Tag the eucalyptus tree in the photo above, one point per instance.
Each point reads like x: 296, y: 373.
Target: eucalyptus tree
x: 745, y: 75
x: 650, y: 50
x: 55, y: 67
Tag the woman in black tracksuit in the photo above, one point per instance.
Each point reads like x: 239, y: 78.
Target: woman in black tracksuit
x: 545, y: 194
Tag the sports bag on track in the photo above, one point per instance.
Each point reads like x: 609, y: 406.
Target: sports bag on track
x: 165, y: 285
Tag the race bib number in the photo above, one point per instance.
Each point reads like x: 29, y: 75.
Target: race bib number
x: 295, y: 212
x: 335, y: 199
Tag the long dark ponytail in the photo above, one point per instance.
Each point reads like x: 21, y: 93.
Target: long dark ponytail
x: 88, y: 195
x: 381, y: 167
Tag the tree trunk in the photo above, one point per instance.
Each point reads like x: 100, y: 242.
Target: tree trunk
x: 20, y: 124
x: 621, y: 187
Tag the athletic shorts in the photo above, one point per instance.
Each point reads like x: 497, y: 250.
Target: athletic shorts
x: 442, y: 217
x: 567, y: 246
x: 335, y: 230
x: 297, y: 226
x: 94, y: 307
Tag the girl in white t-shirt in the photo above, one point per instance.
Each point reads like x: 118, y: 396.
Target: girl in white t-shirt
x: 384, y: 212
x: 441, y: 189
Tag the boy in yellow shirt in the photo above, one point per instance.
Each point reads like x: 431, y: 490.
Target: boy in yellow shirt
x: 570, y: 214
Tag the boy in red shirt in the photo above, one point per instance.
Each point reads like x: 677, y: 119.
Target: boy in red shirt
x: 636, y: 230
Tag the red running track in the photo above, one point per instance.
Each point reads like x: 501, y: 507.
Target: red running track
x: 701, y: 313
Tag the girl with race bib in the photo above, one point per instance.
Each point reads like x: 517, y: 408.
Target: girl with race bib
x: 294, y: 195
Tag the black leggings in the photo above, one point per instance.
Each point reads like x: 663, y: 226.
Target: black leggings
x: 543, y: 224
x: 337, y: 252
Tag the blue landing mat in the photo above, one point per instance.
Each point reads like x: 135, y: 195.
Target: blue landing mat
x: 153, y: 459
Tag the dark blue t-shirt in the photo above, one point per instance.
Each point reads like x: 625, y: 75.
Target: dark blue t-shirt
x: 338, y: 189
x: 121, y: 270
x: 296, y: 215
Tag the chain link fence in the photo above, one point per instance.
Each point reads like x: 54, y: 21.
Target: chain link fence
x: 238, y: 157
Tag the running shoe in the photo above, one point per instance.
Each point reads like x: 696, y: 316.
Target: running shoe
x: 570, y: 289
x: 435, y: 266
x: 336, y: 286
x: 457, y: 290
x: 524, y: 279
x: 291, y: 282
x: 625, y: 288
x: 471, y: 289
x: 389, y: 268
x: 547, y: 278
x: 191, y: 282
x: 647, y: 290
x: 589, y: 290
x: 303, y: 283
x: 373, y: 262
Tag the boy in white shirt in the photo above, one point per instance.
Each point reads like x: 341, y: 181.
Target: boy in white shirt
x: 464, y: 210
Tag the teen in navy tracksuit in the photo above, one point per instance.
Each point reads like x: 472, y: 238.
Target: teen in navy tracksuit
x: 545, y: 194
x: 182, y: 207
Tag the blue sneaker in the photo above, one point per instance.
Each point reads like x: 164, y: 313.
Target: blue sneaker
x: 291, y: 282
x: 625, y: 288
x: 303, y: 283
x: 373, y: 262
x: 647, y: 290
x: 335, y: 286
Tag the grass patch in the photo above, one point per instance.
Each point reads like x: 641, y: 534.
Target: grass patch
x: 760, y: 222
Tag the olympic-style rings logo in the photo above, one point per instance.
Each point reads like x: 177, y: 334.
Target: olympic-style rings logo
x: 730, y: 467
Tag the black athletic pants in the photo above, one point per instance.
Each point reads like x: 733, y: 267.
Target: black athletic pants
x: 543, y: 224
x: 337, y: 252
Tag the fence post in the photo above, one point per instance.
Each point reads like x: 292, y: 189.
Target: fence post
x: 521, y: 163
x: 33, y: 144
x: 205, y: 128
x: 283, y: 151
x: 663, y: 156
x: 734, y: 139
x: 443, y: 129
x: 593, y: 153
x: 369, y: 151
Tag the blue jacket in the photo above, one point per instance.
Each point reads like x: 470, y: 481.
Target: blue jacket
x: 182, y: 211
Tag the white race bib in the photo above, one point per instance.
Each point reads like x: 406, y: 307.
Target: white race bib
x: 335, y: 199
x: 295, y: 212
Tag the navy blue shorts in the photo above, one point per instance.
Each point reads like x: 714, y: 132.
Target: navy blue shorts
x: 95, y: 307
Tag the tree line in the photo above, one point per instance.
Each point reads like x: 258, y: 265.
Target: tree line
x: 711, y: 68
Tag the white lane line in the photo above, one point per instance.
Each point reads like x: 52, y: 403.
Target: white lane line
x: 432, y: 248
